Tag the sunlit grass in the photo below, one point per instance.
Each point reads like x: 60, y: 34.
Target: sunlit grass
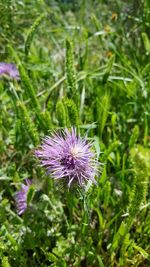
x: 83, y: 64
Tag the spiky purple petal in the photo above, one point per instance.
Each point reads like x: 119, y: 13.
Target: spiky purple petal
x: 10, y: 70
x: 68, y: 156
x: 21, y: 197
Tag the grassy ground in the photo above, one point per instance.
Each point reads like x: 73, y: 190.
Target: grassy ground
x: 84, y: 64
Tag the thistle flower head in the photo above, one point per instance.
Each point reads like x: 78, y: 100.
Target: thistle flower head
x: 21, y: 197
x: 10, y: 70
x: 68, y: 156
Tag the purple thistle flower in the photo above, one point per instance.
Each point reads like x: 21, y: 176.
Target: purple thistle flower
x: 69, y: 157
x: 9, y: 70
x: 21, y: 197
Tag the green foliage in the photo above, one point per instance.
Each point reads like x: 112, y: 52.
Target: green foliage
x: 44, y: 120
x: 28, y: 124
x: 30, y: 194
x: 5, y: 262
x: 29, y: 90
x: 98, y: 82
x: 31, y: 34
x: 103, y: 105
x: 71, y: 111
x: 134, y: 136
x: 67, y: 113
x: 61, y: 113
x: 146, y: 42
x: 70, y: 73
x: 108, y: 69
x: 140, y: 158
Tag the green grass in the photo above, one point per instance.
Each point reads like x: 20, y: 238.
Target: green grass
x: 83, y: 64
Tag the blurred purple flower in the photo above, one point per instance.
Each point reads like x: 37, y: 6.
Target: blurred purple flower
x: 68, y: 156
x: 9, y: 70
x: 21, y: 197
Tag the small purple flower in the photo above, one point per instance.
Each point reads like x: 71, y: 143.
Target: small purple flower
x: 68, y: 156
x: 21, y: 197
x: 10, y: 70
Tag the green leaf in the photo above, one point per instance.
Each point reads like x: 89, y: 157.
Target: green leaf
x: 142, y: 251
x: 31, y: 33
x: 108, y: 69
x: 5, y: 262
x: 30, y: 194
x: 51, y: 257
x: 146, y: 42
